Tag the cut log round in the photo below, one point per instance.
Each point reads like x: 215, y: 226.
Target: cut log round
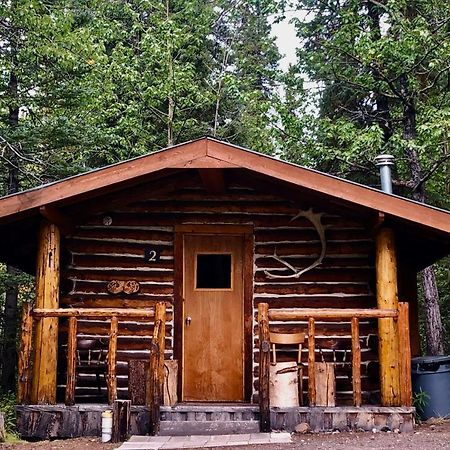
x: 131, y: 287
x: 283, y: 389
x: 115, y: 286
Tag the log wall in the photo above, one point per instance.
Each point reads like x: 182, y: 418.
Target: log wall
x: 98, y: 253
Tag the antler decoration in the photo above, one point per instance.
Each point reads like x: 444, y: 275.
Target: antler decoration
x: 314, y: 218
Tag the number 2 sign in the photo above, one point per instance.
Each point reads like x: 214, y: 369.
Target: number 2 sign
x: 152, y: 254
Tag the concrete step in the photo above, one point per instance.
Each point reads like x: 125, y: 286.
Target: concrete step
x: 192, y: 427
x: 189, y: 419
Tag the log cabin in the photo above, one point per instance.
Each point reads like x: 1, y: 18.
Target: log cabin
x: 194, y: 255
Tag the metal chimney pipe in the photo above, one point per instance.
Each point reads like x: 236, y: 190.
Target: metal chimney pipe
x: 384, y: 162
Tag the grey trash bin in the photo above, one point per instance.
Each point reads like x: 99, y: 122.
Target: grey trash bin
x: 431, y: 374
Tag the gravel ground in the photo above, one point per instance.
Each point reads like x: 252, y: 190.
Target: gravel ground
x: 429, y: 436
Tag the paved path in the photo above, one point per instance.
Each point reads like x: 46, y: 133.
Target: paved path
x: 222, y: 440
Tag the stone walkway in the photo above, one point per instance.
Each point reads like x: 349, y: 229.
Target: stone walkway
x: 222, y: 440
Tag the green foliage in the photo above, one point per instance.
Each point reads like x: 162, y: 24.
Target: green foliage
x: 420, y: 400
x: 8, y: 408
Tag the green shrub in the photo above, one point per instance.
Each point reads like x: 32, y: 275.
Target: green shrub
x: 8, y: 408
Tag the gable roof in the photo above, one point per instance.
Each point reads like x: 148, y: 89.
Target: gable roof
x: 211, y: 153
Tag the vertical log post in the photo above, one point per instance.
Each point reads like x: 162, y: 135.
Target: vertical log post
x: 24, y: 364
x: 311, y: 362
x: 264, y: 367
x: 71, y: 361
x: 405, y: 355
x: 121, y: 420
x: 160, y: 316
x: 356, y: 362
x: 47, y: 296
x: 112, y: 357
x: 387, y: 298
x: 156, y: 376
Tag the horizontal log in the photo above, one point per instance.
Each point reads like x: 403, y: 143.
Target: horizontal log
x: 125, y: 329
x: 114, y: 302
x: 329, y: 262
x: 308, y: 232
x: 305, y: 248
x: 164, y: 272
x: 87, y: 312
x: 80, y: 288
x: 324, y: 329
x: 300, y: 287
x: 125, y: 233
x: 363, y: 274
x: 341, y: 313
x: 319, y: 301
x: 90, y: 259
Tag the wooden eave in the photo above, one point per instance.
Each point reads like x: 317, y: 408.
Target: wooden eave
x: 207, y: 153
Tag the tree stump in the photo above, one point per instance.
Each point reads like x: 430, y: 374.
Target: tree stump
x: 170, y: 382
x: 121, y: 420
x: 325, y: 384
x: 283, y: 385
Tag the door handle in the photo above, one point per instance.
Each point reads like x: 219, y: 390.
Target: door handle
x: 188, y: 320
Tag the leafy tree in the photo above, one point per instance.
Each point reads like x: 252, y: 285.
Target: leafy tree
x: 382, y: 68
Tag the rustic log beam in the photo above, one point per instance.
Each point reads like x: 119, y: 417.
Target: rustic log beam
x: 264, y: 367
x: 24, y: 363
x: 54, y: 215
x: 121, y: 420
x: 153, y: 387
x: 213, y: 180
x: 105, y: 313
x: 160, y: 317
x: 47, y: 296
x: 356, y: 363
x: 405, y: 355
x: 311, y: 362
x: 112, y: 359
x: 71, y: 362
x: 287, y: 314
x: 387, y: 298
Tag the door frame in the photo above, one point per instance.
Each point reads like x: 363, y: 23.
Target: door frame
x: 245, y: 231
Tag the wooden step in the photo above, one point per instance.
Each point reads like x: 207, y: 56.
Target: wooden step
x: 192, y: 427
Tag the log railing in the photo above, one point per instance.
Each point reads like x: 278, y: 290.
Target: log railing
x: 156, y: 376
x: 266, y: 315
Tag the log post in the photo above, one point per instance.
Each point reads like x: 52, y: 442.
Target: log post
x: 47, y: 296
x: 71, y: 361
x: 160, y: 316
x: 405, y: 355
x: 24, y: 363
x: 356, y: 362
x: 311, y: 362
x: 121, y: 420
x: 264, y: 367
x: 153, y: 390
x: 387, y: 298
x: 112, y: 356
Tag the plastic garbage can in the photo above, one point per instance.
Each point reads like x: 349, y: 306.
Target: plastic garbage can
x: 431, y: 375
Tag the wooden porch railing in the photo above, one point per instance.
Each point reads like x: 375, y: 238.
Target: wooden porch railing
x: 265, y: 315
x: 156, y: 377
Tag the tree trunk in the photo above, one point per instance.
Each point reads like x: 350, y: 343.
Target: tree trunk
x: 9, y: 357
x: 171, y: 100
x: 433, y: 325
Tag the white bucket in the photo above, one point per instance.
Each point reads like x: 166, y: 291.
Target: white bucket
x: 283, y: 386
x: 107, y: 421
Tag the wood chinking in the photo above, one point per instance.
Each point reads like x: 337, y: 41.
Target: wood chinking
x: 102, y: 253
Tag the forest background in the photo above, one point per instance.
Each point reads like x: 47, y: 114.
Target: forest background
x: 86, y: 83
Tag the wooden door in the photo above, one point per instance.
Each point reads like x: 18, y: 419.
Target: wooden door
x: 213, y: 341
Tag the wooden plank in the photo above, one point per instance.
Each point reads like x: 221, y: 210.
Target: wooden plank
x: 213, y: 180
x: 387, y: 298
x: 47, y: 296
x: 160, y: 317
x: 105, y: 313
x: 405, y: 355
x: 121, y: 420
x: 356, y: 362
x: 112, y: 358
x: 264, y: 367
x: 287, y: 314
x: 136, y: 387
x: 71, y: 362
x: 325, y: 383
x: 311, y: 362
x: 24, y: 362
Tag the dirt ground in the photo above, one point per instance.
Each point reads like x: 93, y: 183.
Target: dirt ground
x: 428, y: 436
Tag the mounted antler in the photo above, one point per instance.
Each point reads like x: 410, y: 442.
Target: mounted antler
x: 314, y: 218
